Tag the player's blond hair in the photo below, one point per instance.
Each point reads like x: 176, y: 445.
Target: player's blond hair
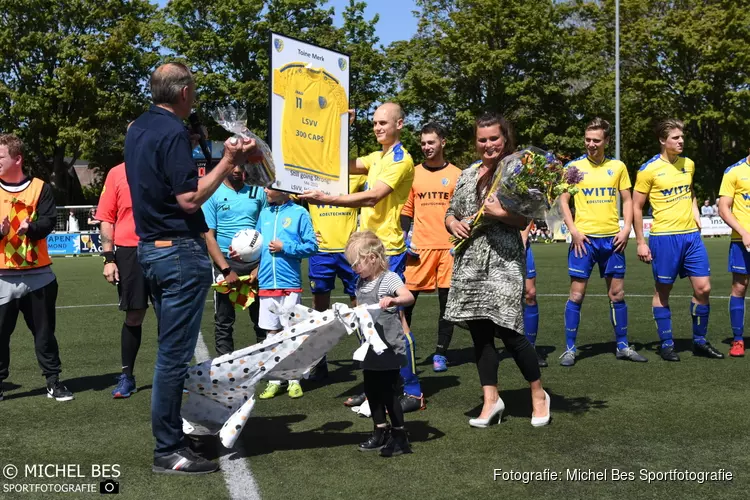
x: 365, y: 243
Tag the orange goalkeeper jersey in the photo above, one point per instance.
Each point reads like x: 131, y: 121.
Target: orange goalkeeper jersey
x: 429, y: 198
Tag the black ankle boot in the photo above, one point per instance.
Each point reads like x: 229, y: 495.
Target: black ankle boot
x: 398, y: 444
x: 379, y: 437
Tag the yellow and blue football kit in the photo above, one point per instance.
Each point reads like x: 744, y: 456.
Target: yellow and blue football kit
x: 736, y: 185
x: 675, y: 241
x: 334, y: 226
x: 597, y: 217
x: 395, y: 168
x: 314, y: 101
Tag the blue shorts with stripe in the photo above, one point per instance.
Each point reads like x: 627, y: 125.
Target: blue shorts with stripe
x: 530, y: 264
x: 397, y: 264
x: 600, y: 251
x: 324, y: 267
x: 739, y: 258
x: 678, y: 255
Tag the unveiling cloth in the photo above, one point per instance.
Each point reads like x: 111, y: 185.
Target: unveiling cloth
x: 220, y: 391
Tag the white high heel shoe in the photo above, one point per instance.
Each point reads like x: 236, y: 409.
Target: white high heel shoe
x: 497, y: 411
x: 542, y: 421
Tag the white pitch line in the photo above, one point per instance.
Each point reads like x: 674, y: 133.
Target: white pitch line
x: 237, y: 475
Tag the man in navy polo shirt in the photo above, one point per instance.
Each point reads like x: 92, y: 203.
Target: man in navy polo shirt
x: 167, y: 195
x: 233, y: 207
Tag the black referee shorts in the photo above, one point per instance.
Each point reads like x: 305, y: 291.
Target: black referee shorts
x: 133, y: 287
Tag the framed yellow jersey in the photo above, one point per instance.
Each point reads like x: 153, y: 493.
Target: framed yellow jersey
x: 309, y: 126
x: 314, y: 101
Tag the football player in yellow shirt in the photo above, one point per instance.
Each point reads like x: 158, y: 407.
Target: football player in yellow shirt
x: 390, y: 173
x: 674, y: 246
x: 598, y: 239
x: 333, y: 227
x: 734, y: 208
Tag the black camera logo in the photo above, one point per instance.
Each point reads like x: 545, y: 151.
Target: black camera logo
x: 109, y: 487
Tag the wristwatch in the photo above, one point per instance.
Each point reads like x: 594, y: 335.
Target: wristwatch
x: 109, y: 257
x: 225, y: 272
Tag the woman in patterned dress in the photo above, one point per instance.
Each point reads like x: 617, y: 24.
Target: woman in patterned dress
x: 487, y: 288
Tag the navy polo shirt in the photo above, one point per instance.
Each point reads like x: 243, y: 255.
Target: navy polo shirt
x: 159, y: 165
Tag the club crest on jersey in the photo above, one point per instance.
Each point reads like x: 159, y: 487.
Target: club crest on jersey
x: 445, y: 181
x: 610, y: 172
x: 287, y: 222
x: 342, y: 64
x: 322, y: 102
x: 278, y: 44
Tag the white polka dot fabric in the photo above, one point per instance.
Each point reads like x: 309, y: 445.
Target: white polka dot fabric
x: 220, y: 391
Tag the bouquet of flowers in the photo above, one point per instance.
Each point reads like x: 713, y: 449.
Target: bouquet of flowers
x: 527, y: 183
x: 260, y: 169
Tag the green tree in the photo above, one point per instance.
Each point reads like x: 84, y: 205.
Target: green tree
x: 688, y: 59
x: 226, y: 43
x: 472, y: 55
x: 368, y: 80
x: 71, y: 77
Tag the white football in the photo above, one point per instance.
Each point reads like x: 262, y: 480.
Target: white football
x: 248, y: 244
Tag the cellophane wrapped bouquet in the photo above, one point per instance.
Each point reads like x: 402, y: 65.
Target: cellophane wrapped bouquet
x: 528, y: 183
x: 260, y: 169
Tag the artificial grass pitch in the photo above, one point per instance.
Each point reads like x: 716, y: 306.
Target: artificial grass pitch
x: 616, y: 424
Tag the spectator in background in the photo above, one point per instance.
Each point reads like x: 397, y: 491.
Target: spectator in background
x: 716, y: 207
x: 92, y: 221
x: 707, y: 210
x: 72, y: 226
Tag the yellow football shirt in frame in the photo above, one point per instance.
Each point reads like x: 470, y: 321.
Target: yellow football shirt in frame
x: 311, y: 121
x: 736, y: 185
x: 669, y: 190
x: 396, y: 169
x: 596, y: 199
x: 336, y: 224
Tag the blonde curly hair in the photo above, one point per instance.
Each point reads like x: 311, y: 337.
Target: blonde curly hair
x: 365, y: 243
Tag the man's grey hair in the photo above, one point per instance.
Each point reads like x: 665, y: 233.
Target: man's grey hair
x: 167, y: 82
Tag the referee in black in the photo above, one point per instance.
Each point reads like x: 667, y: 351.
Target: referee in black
x: 167, y: 197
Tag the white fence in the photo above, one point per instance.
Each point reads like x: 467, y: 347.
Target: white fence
x: 710, y: 226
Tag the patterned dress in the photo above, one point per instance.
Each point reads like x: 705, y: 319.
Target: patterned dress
x: 488, y: 273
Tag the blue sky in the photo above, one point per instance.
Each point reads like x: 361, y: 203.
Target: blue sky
x: 396, y: 19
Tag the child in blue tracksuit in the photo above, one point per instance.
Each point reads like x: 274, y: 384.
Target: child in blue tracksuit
x: 288, y: 237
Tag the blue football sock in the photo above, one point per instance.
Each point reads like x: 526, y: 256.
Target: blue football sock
x: 531, y: 322
x: 663, y: 318
x: 409, y: 372
x: 700, y: 321
x: 572, y: 319
x: 619, y: 318
x: 737, y: 316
